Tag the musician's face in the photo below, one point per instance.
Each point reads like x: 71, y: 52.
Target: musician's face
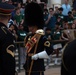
x: 32, y: 29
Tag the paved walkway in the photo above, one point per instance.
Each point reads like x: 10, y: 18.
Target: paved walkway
x: 50, y: 71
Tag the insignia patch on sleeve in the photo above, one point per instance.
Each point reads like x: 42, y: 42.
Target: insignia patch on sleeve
x: 47, y: 43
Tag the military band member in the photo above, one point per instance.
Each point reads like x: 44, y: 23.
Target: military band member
x: 7, y: 47
x: 35, y: 42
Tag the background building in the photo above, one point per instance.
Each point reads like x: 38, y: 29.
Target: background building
x: 52, y: 3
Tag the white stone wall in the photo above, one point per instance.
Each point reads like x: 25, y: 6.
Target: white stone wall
x: 70, y: 2
x: 24, y: 1
x: 57, y: 2
x: 53, y: 3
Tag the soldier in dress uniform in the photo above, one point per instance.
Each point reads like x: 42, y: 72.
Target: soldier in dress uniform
x: 68, y: 65
x: 7, y: 47
x: 37, y: 46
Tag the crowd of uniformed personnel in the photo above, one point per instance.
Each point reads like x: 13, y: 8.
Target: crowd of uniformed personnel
x: 58, y: 28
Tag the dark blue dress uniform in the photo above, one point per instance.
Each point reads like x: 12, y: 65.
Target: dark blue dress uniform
x: 7, y: 47
x: 35, y: 43
x: 38, y: 67
x: 68, y: 66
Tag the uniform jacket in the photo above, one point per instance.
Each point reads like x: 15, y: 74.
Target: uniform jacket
x: 38, y: 65
x: 7, y: 60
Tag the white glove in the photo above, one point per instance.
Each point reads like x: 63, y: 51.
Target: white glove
x: 35, y: 57
x: 41, y: 55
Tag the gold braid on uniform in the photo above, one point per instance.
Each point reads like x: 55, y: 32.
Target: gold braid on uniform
x: 62, y: 57
x: 4, y: 14
x: 9, y: 51
x: 34, y: 53
x: 40, y: 31
x: 3, y: 28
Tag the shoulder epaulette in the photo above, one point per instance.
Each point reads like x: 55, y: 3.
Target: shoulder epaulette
x: 4, y: 29
x: 40, y: 31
